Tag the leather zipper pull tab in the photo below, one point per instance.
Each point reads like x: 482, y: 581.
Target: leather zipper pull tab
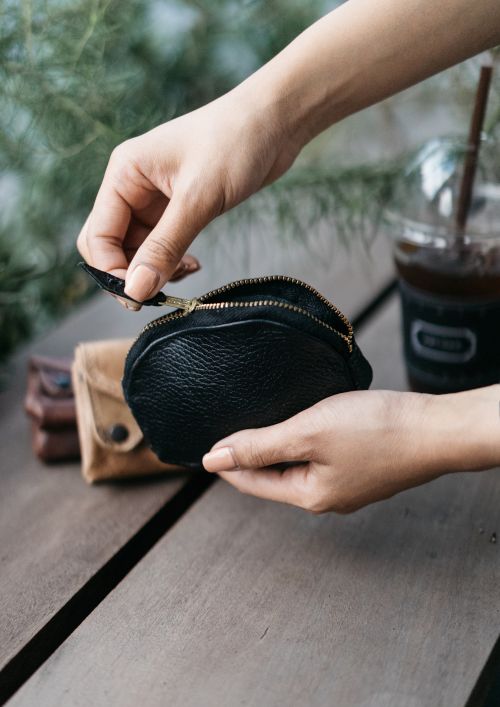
x: 116, y: 286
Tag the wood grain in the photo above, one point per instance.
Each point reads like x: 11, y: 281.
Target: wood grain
x: 253, y: 603
x: 57, y: 532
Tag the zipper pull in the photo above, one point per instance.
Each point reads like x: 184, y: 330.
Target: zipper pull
x: 179, y: 302
x: 116, y: 286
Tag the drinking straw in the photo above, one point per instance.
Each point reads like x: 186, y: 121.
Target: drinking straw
x: 473, y: 145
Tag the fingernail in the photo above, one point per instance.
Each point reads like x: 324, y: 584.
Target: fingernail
x: 133, y: 306
x: 142, y: 282
x: 221, y: 459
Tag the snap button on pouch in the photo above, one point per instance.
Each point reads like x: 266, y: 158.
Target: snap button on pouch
x: 118, y: 433
x: 62, y: 380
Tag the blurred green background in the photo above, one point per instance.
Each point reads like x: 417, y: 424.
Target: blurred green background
x: 77, y: 77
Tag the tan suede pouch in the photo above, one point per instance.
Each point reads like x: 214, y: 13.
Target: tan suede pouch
x: 112, y: 445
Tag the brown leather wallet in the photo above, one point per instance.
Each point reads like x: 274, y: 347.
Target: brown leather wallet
x: 112, y: 444
x: 50, y: 404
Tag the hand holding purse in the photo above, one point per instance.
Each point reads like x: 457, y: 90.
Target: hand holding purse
x: 250, y: 354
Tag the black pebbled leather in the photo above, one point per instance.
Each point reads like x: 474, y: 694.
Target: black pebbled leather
x: 196, y: 378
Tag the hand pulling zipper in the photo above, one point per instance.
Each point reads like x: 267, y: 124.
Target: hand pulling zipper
x: 116, y: 286
x: 185, y: 306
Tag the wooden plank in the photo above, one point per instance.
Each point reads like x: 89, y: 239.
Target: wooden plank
x: 250, y: 602
x: 56, y: 531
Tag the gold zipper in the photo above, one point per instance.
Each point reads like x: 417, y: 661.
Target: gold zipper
x: 274, y: 303
x: 278, y: 278
x: 186, y: 306
x: 180, y: 302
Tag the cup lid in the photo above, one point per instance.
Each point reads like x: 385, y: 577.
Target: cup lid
x: 424, y: 204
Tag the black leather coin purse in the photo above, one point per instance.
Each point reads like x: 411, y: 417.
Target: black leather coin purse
x: 249, y: 354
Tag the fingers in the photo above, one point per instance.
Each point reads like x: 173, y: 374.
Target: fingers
x: 82, y: 243
x: 253, y: 449
x: 157, y: 258
x: 136, y: 234
x: 187, y: 266
x: 289, y: 486
x: 245, y: 460
x: 139, y: 229
x: 101, y: 239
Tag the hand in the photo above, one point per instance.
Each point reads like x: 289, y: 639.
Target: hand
x: 162, y: 188
x: 355, y: 448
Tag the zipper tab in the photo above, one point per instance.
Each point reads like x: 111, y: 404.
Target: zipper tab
x: 179, y: 303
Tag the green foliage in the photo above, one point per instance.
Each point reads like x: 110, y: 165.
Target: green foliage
x: 354, y: 196
x: 77, y: 77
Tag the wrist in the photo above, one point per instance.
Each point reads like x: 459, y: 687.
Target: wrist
x: 288, y: 100
x: 262, y: 106
x: 463, y: 430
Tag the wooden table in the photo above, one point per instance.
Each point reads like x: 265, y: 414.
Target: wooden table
x: 181, y: 592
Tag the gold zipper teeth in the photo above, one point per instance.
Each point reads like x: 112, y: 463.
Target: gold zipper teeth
x: 279, y: 278
x: 274, y: 303
x: 162, y: 320
x: 246, y: 304
x: 201, y: 304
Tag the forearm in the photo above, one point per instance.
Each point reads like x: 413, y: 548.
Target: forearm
x: 365, y: 51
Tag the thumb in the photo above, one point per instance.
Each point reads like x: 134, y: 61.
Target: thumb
x: 254, y: 449
x: 158, y: 257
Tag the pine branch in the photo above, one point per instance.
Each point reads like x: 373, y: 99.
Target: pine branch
x: 76, y: 78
